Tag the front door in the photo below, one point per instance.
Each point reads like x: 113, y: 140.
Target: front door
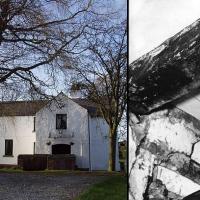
x: 61, y: 149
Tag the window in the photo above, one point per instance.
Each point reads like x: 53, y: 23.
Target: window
x: 8, y: 147
x: 34, y: 124
x: 61, y: 121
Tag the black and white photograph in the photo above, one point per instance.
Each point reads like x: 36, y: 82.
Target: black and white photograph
x: 63, y: 100
x: 164, y: 100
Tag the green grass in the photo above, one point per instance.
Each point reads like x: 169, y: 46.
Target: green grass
x: 60, y: 172
x: 114, y: 188
x: 11, y: 169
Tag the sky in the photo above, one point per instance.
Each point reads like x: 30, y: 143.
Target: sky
x: 61, y: 85
x: 120, y: 3
x: 151, y: 22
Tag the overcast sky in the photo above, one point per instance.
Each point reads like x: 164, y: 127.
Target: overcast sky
x: 153, y: 21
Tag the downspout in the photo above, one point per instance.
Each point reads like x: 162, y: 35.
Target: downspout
x: 90, y: 164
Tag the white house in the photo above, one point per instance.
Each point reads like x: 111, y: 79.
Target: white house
x: 59, y: 126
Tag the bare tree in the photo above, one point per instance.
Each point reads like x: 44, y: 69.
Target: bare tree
x: 103, y: 77
x: 10, y: 92
x: 47, y: 35
x: 41, y: 35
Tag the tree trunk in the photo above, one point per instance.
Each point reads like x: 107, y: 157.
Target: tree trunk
x: 112, y: 149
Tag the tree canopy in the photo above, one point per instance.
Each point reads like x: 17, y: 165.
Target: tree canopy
x: 45, y: 34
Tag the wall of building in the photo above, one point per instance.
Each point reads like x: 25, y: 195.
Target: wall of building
x: 20, y: 130
x: 167, y: 140
x: 76, y: 132
x: 99, y: 133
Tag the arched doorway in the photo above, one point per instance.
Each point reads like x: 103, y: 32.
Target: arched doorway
x: 61, y: 149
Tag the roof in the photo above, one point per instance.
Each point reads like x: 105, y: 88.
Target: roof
x: 87, y: 104
x: 30, y: 108
x: 169, y: 72
x: 21, y: 108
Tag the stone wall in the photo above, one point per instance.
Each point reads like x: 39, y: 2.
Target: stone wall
x: 164, y: 144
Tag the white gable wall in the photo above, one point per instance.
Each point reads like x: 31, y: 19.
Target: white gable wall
x: 76, y: 132
x: 20, y: 130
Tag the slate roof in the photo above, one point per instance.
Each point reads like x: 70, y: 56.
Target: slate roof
x: 21, y: 108
x: 30, y: 108
x: 89, y: 105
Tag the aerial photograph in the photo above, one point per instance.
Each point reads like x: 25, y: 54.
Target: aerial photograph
x: 164, y: 100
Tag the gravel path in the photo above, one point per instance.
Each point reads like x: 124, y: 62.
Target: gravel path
x: 20, y: 186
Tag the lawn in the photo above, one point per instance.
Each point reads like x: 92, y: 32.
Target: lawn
x: 114, y: 188
x: 59, y: 172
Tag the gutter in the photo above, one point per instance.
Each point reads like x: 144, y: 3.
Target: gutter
x: 90, y: 164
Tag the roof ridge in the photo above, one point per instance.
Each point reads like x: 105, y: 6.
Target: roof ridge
x: 24, y: 101
x: 30, y: 107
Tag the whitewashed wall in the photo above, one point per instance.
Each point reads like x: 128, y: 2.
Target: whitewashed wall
x: 99, y: 131
x: 76, y: 132
x: 20, y: 130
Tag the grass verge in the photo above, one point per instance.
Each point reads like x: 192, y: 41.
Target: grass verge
x: 114, y: 188
x: 60, y: 172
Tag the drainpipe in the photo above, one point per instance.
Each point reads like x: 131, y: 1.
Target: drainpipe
x: 90, y: 164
